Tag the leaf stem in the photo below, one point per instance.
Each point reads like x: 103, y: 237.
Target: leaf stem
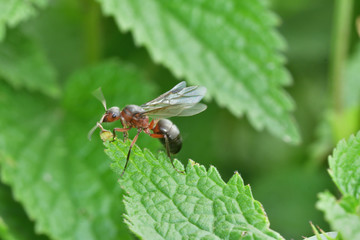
x: 340, y: 38
x: 92, y: 31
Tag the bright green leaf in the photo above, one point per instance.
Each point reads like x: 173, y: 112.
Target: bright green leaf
x: 15, y: 11
x: 344, y: 163
x: 347, y: 223
x: 230, y: 47
x: 345, y: 166
x: 62, y: 180
x: 23, y: 64
x: 164, y: 204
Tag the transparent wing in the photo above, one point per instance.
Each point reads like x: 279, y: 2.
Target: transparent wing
x: 178, y: 95
x: 197, y: 108
x: 100, y: 96
x: 174, y: 90
x: 179, y: 101
x: 178, y: 110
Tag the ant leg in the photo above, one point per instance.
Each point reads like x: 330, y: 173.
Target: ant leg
x: 125, y: 134
x: 168, y: 153
x: 131, y: 145
x: 167, y: 149
x: 124, y: 130
x: 154, y: 135
x: 101, y: 127
x: 98, y: 125
x: 153, y: 123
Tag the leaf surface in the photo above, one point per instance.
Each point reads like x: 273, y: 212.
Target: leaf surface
x: 162, y: 203
x: 5, y: 234
x: 63, y: 180
x: 345, y: 166
x: 342, y: 219
x: 15, y: 11
x: 243, y: 71
x: 15, y: 221
x: 24, y: 64
x: 343, y: 215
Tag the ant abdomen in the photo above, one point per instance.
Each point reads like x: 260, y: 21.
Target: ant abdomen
x: 172, y: 135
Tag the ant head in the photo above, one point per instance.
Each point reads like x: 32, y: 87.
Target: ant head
x: 111, y: 115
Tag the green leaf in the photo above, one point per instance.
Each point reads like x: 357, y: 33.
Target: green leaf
x: 324, y: 235
x: 67, y: 46
x: 62, y: 180
x: 17, y: 223
x: 15, y: 11
x: 344, y: 215
x: 345, y: 166
x: 4, y: 231
x: 23, y: 64
x: 230, y: 47
x: 347, y: 223
x: 162, y: 203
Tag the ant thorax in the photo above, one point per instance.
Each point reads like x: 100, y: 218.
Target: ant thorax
x: 134, y: 117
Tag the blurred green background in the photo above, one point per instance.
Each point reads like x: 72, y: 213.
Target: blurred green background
x: 283, y: 177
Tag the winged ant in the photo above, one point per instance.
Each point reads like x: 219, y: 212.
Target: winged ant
x: 178, y: 101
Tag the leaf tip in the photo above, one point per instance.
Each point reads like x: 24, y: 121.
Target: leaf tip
x: 236, y: 179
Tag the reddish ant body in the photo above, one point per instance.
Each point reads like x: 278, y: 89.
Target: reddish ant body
x: 179, y: 101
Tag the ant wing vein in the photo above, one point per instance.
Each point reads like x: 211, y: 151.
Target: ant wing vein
x: 175, y: 89
x: 176, y: 110
x: 188, y: 95
x: 179, y: 101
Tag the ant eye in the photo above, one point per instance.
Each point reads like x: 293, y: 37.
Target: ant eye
x: 114, y: 115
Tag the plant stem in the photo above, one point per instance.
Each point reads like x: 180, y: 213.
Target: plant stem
x: 340, y: 38
x: 92, y: 31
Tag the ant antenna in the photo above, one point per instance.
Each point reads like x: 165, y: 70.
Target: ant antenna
x: 98, y: 124
x: 100, y: 96
x: 92, y: 131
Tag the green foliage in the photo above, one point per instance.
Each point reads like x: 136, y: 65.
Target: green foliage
x: 15, y: 218
x: 345, y: 166
x: 15, y: 11
x: 245, y: 67
x: 23, y: 64
x: 323, y: 235
x: 343, y: 215
x: 352, y: 80
x: 351, y: 100
x: 332, y: 128
x: 67, y: 197
x: 55, y: 184
x: 344, y: 220
x: 162, y: 203
x: 4, y: 231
